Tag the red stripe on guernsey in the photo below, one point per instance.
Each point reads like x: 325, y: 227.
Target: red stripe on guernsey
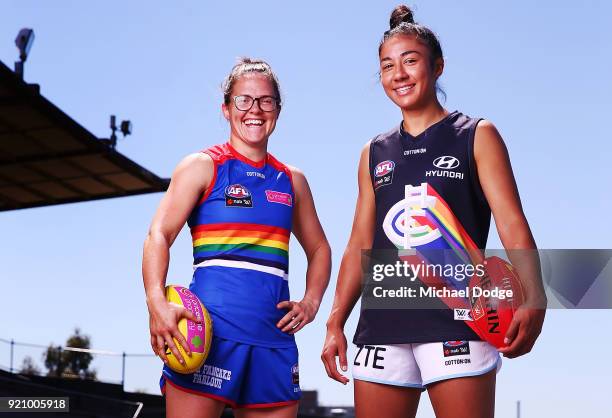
x: 195, y: 392
x: 219, y: 153
x: 238, y: 156
x: 245, y: 226
x: 212, y: 182
x: 281, y: 167
x: 422, y: 220
x: 224, y: 152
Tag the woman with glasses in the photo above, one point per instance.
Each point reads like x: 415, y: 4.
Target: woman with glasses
x: 241, y: 205
x: 429, y: 183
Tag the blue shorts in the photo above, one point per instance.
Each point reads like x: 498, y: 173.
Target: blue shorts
x: 242, y: 375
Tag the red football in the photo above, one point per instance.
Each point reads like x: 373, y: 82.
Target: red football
x: 496, y: 295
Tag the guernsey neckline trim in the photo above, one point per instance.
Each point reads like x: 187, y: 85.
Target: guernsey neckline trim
x: 423, y: 135
x: 246, y: 160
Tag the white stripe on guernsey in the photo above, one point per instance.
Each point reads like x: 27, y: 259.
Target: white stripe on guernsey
x: 243, y: 265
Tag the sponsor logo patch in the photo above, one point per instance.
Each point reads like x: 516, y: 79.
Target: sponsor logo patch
x: 462, y: 315
x: 415, y: 151
x: 212, y: 376
x: 295, y: 374
x: 279, y: 197
x: 457, y: 361
x: 477, y: 310
x: 383, y: 173
x: 456, y: 348
x: 256, y: 174
x: 236, y: 195
x: 445, y: 163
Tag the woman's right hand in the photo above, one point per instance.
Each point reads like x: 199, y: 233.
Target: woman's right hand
x: 335, y: 346
x: 163, y: 326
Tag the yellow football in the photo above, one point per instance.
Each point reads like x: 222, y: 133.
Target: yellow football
x: 198, y: 336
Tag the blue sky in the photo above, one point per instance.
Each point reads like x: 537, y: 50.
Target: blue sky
x: 539, y: 71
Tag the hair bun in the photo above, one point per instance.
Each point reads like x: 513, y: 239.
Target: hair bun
x: 400, y: 14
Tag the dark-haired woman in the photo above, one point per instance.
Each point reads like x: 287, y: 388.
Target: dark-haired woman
x: 434, y: 157
x: 241, y: 205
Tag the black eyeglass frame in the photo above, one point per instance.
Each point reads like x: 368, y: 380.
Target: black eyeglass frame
x: 258, y: 100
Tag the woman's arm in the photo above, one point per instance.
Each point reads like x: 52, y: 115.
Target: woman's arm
x: 348, y: 287
x: 190, y: 179
x: 308, y: 231
x: 498, y: 184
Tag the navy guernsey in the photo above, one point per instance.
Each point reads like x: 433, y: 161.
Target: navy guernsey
x: 435, y: 169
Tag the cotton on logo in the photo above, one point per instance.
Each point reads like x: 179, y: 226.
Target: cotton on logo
x: 446, y: 162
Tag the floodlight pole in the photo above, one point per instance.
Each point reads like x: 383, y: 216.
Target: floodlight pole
x: 518, y: 409
x: 113, y: 126
x: 19, y: 69
x: 23, y: 42
x: 125, y: 128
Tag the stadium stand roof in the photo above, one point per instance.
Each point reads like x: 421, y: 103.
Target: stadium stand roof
x: 93, y: 399
x: 47, y: 158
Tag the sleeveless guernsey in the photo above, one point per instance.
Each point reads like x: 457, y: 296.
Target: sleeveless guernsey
x: 240, y: 229
x: 434, y: 172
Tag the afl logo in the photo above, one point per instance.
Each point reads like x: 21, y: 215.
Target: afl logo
x: 237, y: 191
x: 446, y: 162
x: 236, y: 195
x: 384, y: 168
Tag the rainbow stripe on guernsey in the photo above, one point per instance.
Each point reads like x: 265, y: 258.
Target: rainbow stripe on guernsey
x: 431, y: 229
x: 240, y: 230
x: 242, y: 245
x: 243, y: 220
x: 439, y: 216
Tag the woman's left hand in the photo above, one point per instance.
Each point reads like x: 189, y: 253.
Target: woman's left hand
x: 300, y: 313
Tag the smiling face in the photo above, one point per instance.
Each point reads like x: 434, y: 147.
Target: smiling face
x: 406, y: 73
x: 254, y: 126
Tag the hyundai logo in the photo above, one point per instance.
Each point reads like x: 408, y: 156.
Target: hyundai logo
x: 446, y: 162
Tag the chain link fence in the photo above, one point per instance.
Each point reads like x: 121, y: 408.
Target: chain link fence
x: 105, y: 366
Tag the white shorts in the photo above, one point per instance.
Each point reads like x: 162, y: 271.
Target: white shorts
x: 417, y: 365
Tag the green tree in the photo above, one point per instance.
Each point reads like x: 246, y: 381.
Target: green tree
x: 53, y: 361
x: 29, y: 367
x: 67, y: 363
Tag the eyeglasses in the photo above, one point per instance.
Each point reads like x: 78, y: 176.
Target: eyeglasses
x: 266, y: 103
